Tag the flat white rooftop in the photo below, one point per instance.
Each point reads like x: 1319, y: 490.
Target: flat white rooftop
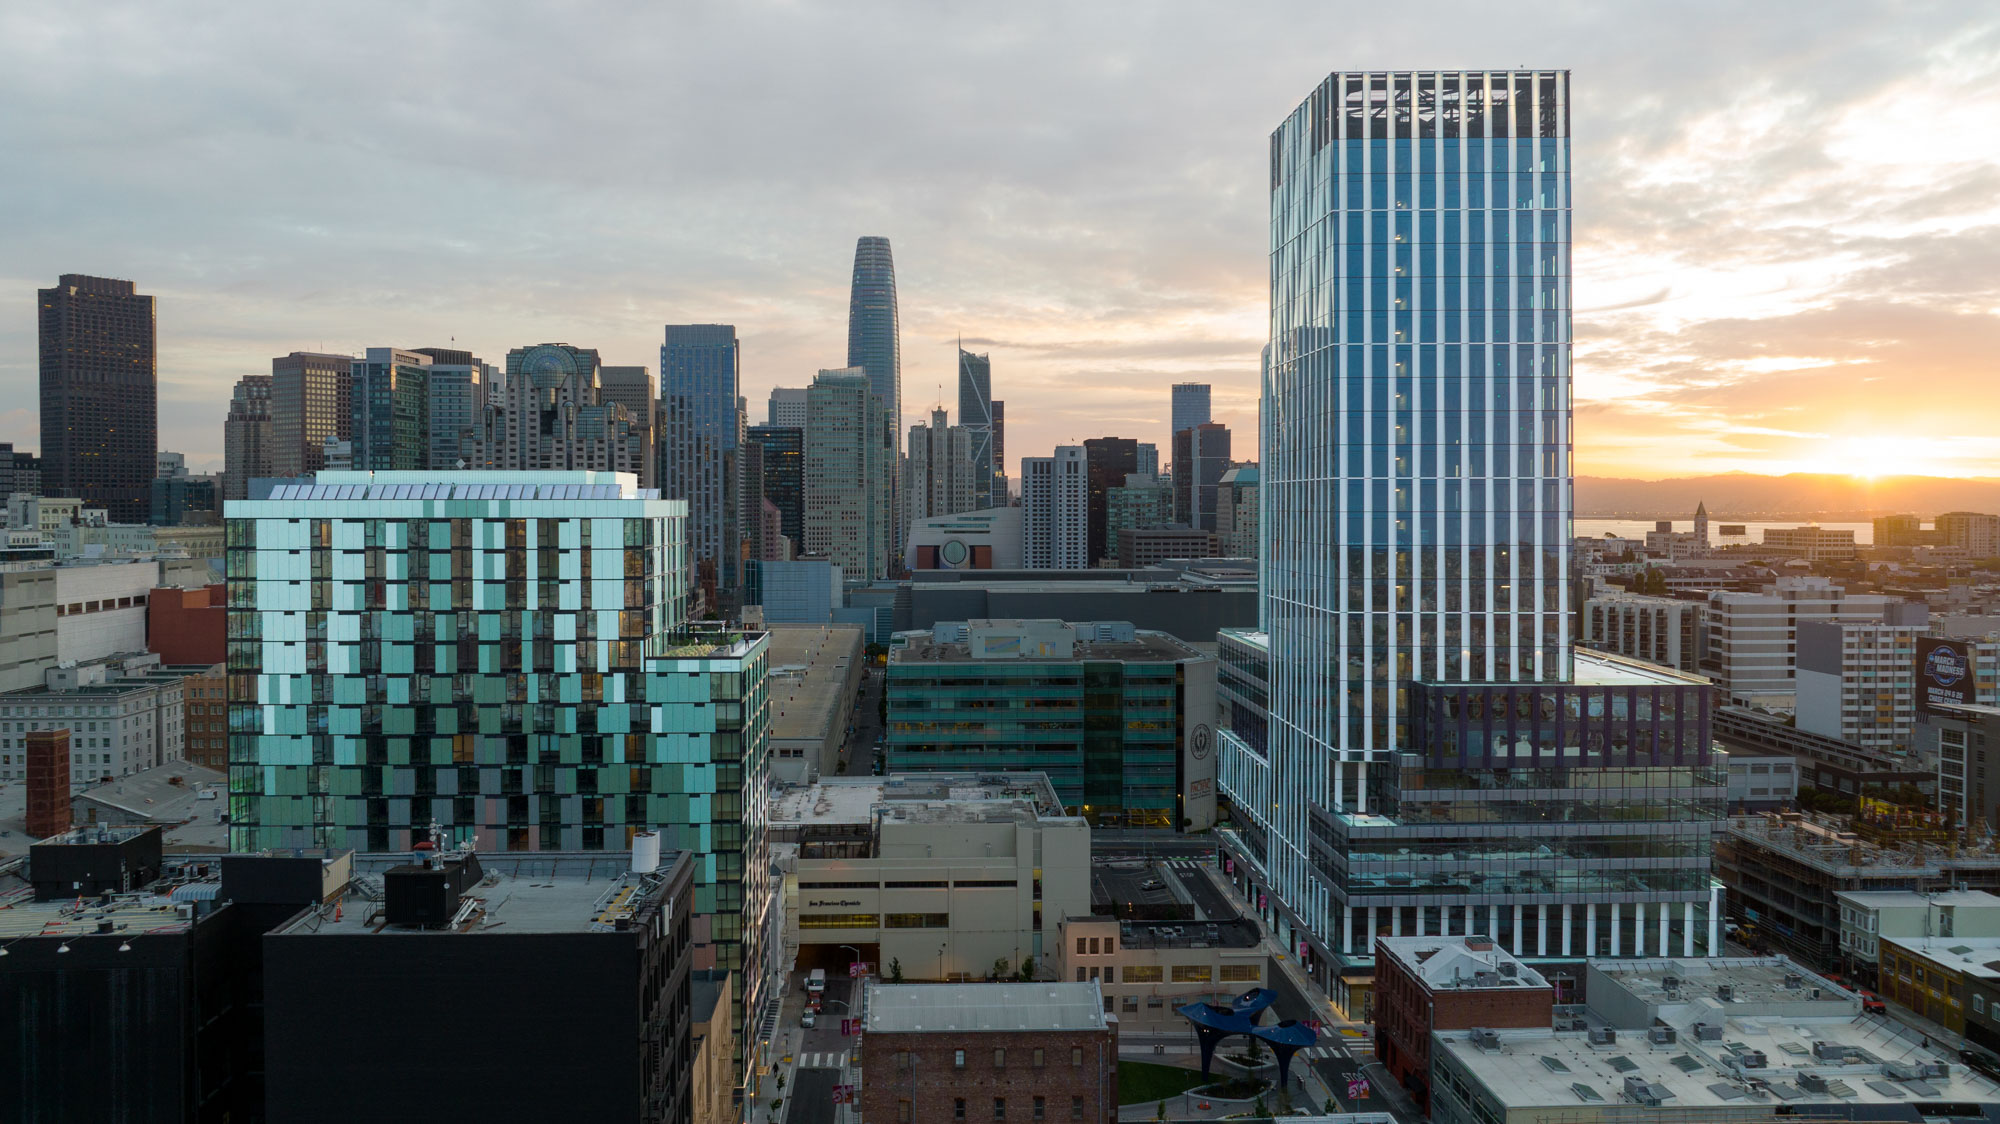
x: 995, y: 1007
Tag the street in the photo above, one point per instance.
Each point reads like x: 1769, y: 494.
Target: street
x: 857, y: 757
x: 809, y: 1097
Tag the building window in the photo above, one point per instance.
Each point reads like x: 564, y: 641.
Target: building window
x: 1041, y: 1108
x: 1079, y: 946
x: 999, y: 1108
x: 958, y: 1058
x: 903, y: 1110
x: 1037, y: 1059
x: 1191, y: 973
x: 1143, y: 973
x: 1093, y: 945
x: 1076, y: 1055
x: 999, y: 1058
x: 1239, y: 973
x: 1076, y: 1108
x: 958, y: 1108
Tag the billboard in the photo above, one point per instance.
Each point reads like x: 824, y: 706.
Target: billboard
x: 1944, y: 673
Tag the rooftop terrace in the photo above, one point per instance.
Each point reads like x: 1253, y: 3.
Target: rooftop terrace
x: 539, y: 892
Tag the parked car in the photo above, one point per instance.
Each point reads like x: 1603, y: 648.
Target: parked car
x: 808, y: 1019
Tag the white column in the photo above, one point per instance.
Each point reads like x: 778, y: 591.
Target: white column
x: 1520, y: 947
x: 1714, y: 923
x: 1493, y: 923
x: 1666, y: 927
x: 1395, y: 921
x: 1615, y: 910
x: 1590, y: 931
x: 1687, y: 928
x: 1361, y: 787
x: 1541, y: 930
x: 1346, y: 919
x: 1566, y: 930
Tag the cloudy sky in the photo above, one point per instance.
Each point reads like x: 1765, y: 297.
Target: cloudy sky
x: 1788, y: 214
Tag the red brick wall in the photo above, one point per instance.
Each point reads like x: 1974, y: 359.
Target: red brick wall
x: 921, y: 1069
x: 186, y: 625
x: 48, y: 783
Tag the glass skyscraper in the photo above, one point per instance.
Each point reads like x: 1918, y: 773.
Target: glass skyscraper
x: 975, y: 413
x: 701, y: 431
x: 874, y: 346
x: 1416, y: 501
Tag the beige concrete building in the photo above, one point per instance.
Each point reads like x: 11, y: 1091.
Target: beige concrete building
x: 814, y: 677
x: 1147, y: 969
x: 940, y: 875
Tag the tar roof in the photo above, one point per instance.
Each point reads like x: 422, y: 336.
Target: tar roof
x: 1451, y: 963
x: 855, y: 800
x: 541, y: 892
x: 808, y: 676
x: 994, y: 1007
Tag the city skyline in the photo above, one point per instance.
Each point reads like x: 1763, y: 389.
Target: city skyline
x: 1762, y: 259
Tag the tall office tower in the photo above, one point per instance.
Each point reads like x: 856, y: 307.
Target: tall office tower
x: 19, y: 472
x: 1149, y: 458
x: 1055, y: 510
x: 846, y: 506
x: 391, y: 409
x: 100, y: 394
x: 940, y: 476
x: 632, y: 388
x: 750, y: 501
x: 787, y: 407
x: 457, y: 383
x: 975, y: 413
x: 784, y: 452
x: 874, y: 346
x: 505, y: 655
x: 311, y: 400
x: 1190, y: 407
x: 1111, y: 460
x: 701, y: 372
x: 1414, y: 618
x: 1000, y: 493
x: 1201, y: 456
x: 246, y: 436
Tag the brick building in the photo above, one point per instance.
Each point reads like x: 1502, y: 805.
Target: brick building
x: 185, y: 626
x: 1424, y: 984
x: 48, y: 783
x: 1010, y: 1053
x: 205, y: 723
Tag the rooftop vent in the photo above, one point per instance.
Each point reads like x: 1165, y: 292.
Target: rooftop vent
x: 1794, y: 981
x: 1479, y: 942
x: 1812, y: 1082
x: 1638, y: 1090
x: 1509, y: 969
x: 1751, y: 1059
x: 1670, y: 981
x: 1725, y: 992
x: 1602, y: 1036
x: 1829, y: 1051
x: 1662, y: 1035
x: 1485, y: 979
x: 1707, y: 1032
x: 1484, y: 1038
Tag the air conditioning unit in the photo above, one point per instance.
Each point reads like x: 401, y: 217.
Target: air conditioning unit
x: 1602, y: 1036
x: 1662, y: 1036
x: 1510, y: 969
x: 1708, y: 1032
x: 1812, y: 1082
x: 1794, y: 981
x: 1752, y: 1059
x: 1725, y: 992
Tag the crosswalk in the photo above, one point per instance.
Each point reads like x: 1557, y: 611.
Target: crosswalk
x: 1322, y: 1052
x: 825, y: 1059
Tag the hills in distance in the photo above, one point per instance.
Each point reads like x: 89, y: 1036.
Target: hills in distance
x: 1799, y: 495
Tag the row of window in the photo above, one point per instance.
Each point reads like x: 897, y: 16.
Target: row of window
x: 1040, y: 1109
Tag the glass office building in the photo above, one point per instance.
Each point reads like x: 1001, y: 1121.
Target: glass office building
x: 1416, y: 478
x: 701, y: 432
x: 495, y: 658
x: 1116, y: 717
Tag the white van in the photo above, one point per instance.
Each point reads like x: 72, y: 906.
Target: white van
x: 816, y: 983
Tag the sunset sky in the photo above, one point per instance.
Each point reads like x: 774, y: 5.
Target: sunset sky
x: 1787, y: 214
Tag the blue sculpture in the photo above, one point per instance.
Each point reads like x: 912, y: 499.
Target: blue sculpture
x: 1212, y: 1024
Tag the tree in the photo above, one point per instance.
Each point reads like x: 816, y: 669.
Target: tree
x: 1257, y: 1107
x: 1000, y: 968
x: 1331, y: 1106
x: 895, y: 970
x: 1162, y: 1113
x: 1028, y: 968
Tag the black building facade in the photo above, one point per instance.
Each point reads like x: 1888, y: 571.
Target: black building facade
x: 100, y: 394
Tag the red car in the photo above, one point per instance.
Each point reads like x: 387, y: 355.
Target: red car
x: 1872, y: 1003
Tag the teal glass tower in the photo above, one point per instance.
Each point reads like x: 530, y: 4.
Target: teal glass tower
x: 494, y: 658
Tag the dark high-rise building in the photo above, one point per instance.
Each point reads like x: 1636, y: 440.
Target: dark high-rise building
x: 392, y: 418
x: 311, y: 400
x: 1190, y: 406
x: 874, y: 346
x: 1201, y: 456
x: 975, y: 414
x: 1111, y: 460
x: 632, y: 388
x: 1001, y: 497
x: 783, y: 448
x: 246, y: 436
x: 701, y: 379
x: 100, y: 394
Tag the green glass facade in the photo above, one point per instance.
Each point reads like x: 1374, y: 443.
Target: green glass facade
x: 504, y: 655
x: 1108, y: 732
